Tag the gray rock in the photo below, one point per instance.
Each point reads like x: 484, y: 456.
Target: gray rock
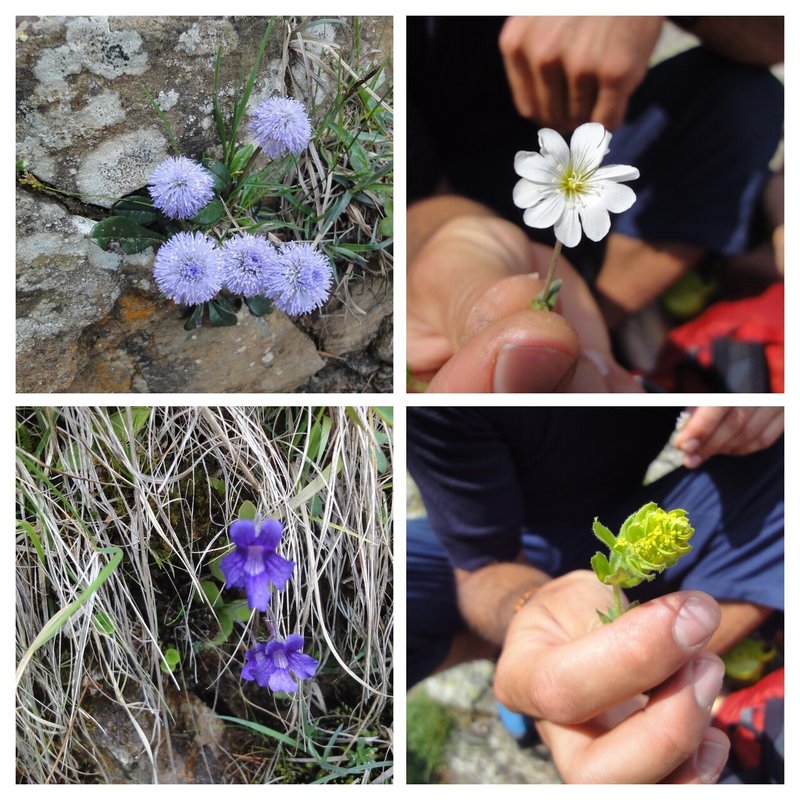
x: 355, y: 325
x: 92, y: 321
x: 197, y: 750
x: 64, y: 283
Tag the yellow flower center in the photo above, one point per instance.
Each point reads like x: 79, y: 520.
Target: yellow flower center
x: 573, y: 184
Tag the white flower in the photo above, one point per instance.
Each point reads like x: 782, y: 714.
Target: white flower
x: 566, y: 186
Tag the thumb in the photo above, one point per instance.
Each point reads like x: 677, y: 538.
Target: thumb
x: 528, y: 351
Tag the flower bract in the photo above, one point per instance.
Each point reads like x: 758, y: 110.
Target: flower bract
x: 280, y: 125
x: 279, y: 664
x: 254, y: 564
x: 247, y: 260
x: 181, y: 187
x: 188, y: 268
x: 301, y: 280
x: 566, y: 187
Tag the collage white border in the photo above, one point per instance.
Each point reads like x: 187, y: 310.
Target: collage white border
x: 399, y: 9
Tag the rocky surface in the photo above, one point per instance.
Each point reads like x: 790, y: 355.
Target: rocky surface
x: 197, y: 750
x: 92, y: 321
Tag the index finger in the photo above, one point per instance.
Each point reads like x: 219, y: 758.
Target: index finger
x: 572, y: 682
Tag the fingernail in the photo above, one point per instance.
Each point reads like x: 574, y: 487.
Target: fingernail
x: 706, y: 675
x: 522, y: 368
x: 709, y: 760
x: 690, y: 462
x: 695, y: 623
x: 690, y: 446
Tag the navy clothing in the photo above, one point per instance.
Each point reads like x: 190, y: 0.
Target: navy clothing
x: 498, y: 481
x: 701, y: 130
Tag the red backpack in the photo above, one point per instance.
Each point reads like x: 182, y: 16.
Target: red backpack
x: 734, y: 346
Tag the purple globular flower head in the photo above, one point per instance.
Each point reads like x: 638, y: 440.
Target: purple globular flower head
x: 254, y: 564
x: 247, y: 259
x: 181, y: 187
x: 188, y: 268
x: 279, y: 665
x: 301, y: 280
x: 280, y: 125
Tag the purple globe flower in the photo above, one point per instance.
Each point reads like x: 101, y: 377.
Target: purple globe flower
x: 188, y: 268
x: 274, y: 663
x: 280, y: 125
x: 301, y: 279
x: 247, y: 259
x: 180, y: 187
x: 254, y: 564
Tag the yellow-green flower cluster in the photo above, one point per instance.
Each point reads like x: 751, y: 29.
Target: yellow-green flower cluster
x: 649, y: 541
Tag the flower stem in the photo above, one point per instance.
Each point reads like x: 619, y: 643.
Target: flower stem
x: 546, y: 299
x: 617, y: 601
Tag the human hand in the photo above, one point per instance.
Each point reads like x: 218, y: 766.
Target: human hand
x: 470, y: 323
x: 564, y: 71
x: 730, y: 431
x: 584, y: 683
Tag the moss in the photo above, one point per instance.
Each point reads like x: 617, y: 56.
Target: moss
x: 429, y: 727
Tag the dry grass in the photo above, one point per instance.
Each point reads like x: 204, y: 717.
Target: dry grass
x: 158, y: 488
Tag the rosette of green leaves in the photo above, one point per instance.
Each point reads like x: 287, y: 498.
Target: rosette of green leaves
x: 649, y: 541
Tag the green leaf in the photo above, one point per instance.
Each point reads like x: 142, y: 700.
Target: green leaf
x: 210, y: 214
x: 241, y: 104
x: 219, y: 316
x: 132, y: 237
x: 262, y: 729
x: 61, y: 617
x: 259, y: 306
x: 358, y: 157
x: 214, y: 569
x: 386, y: 413
x: 316, y: 506
x: 380, y: 461
x: 386, y: 225
x: 34, y: 537
x: 217, y: 484
x: 247, y: 510
x: 137, y: 207
x: 212, y: 592
x: 601, y: 566
x: 240, y: 610
x: 104, y: 623
x: 138, y: 418
x: 172, y: 658
x: 222, y: 178
x: 196, y: 317
x: 606, y: 618
x: 241, y: 157
x: 547, y: 302
x: 604, y: 534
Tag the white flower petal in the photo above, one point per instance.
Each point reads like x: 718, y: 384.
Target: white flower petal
x: 616, y: 172
x: 568, y: 228
x: 588, y: 145
x: 552, y: 145
x: 617, y: 197
x: 545, y: 213
x: 526, y: 193
x: 595, y: 219
x: 535, y: 167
